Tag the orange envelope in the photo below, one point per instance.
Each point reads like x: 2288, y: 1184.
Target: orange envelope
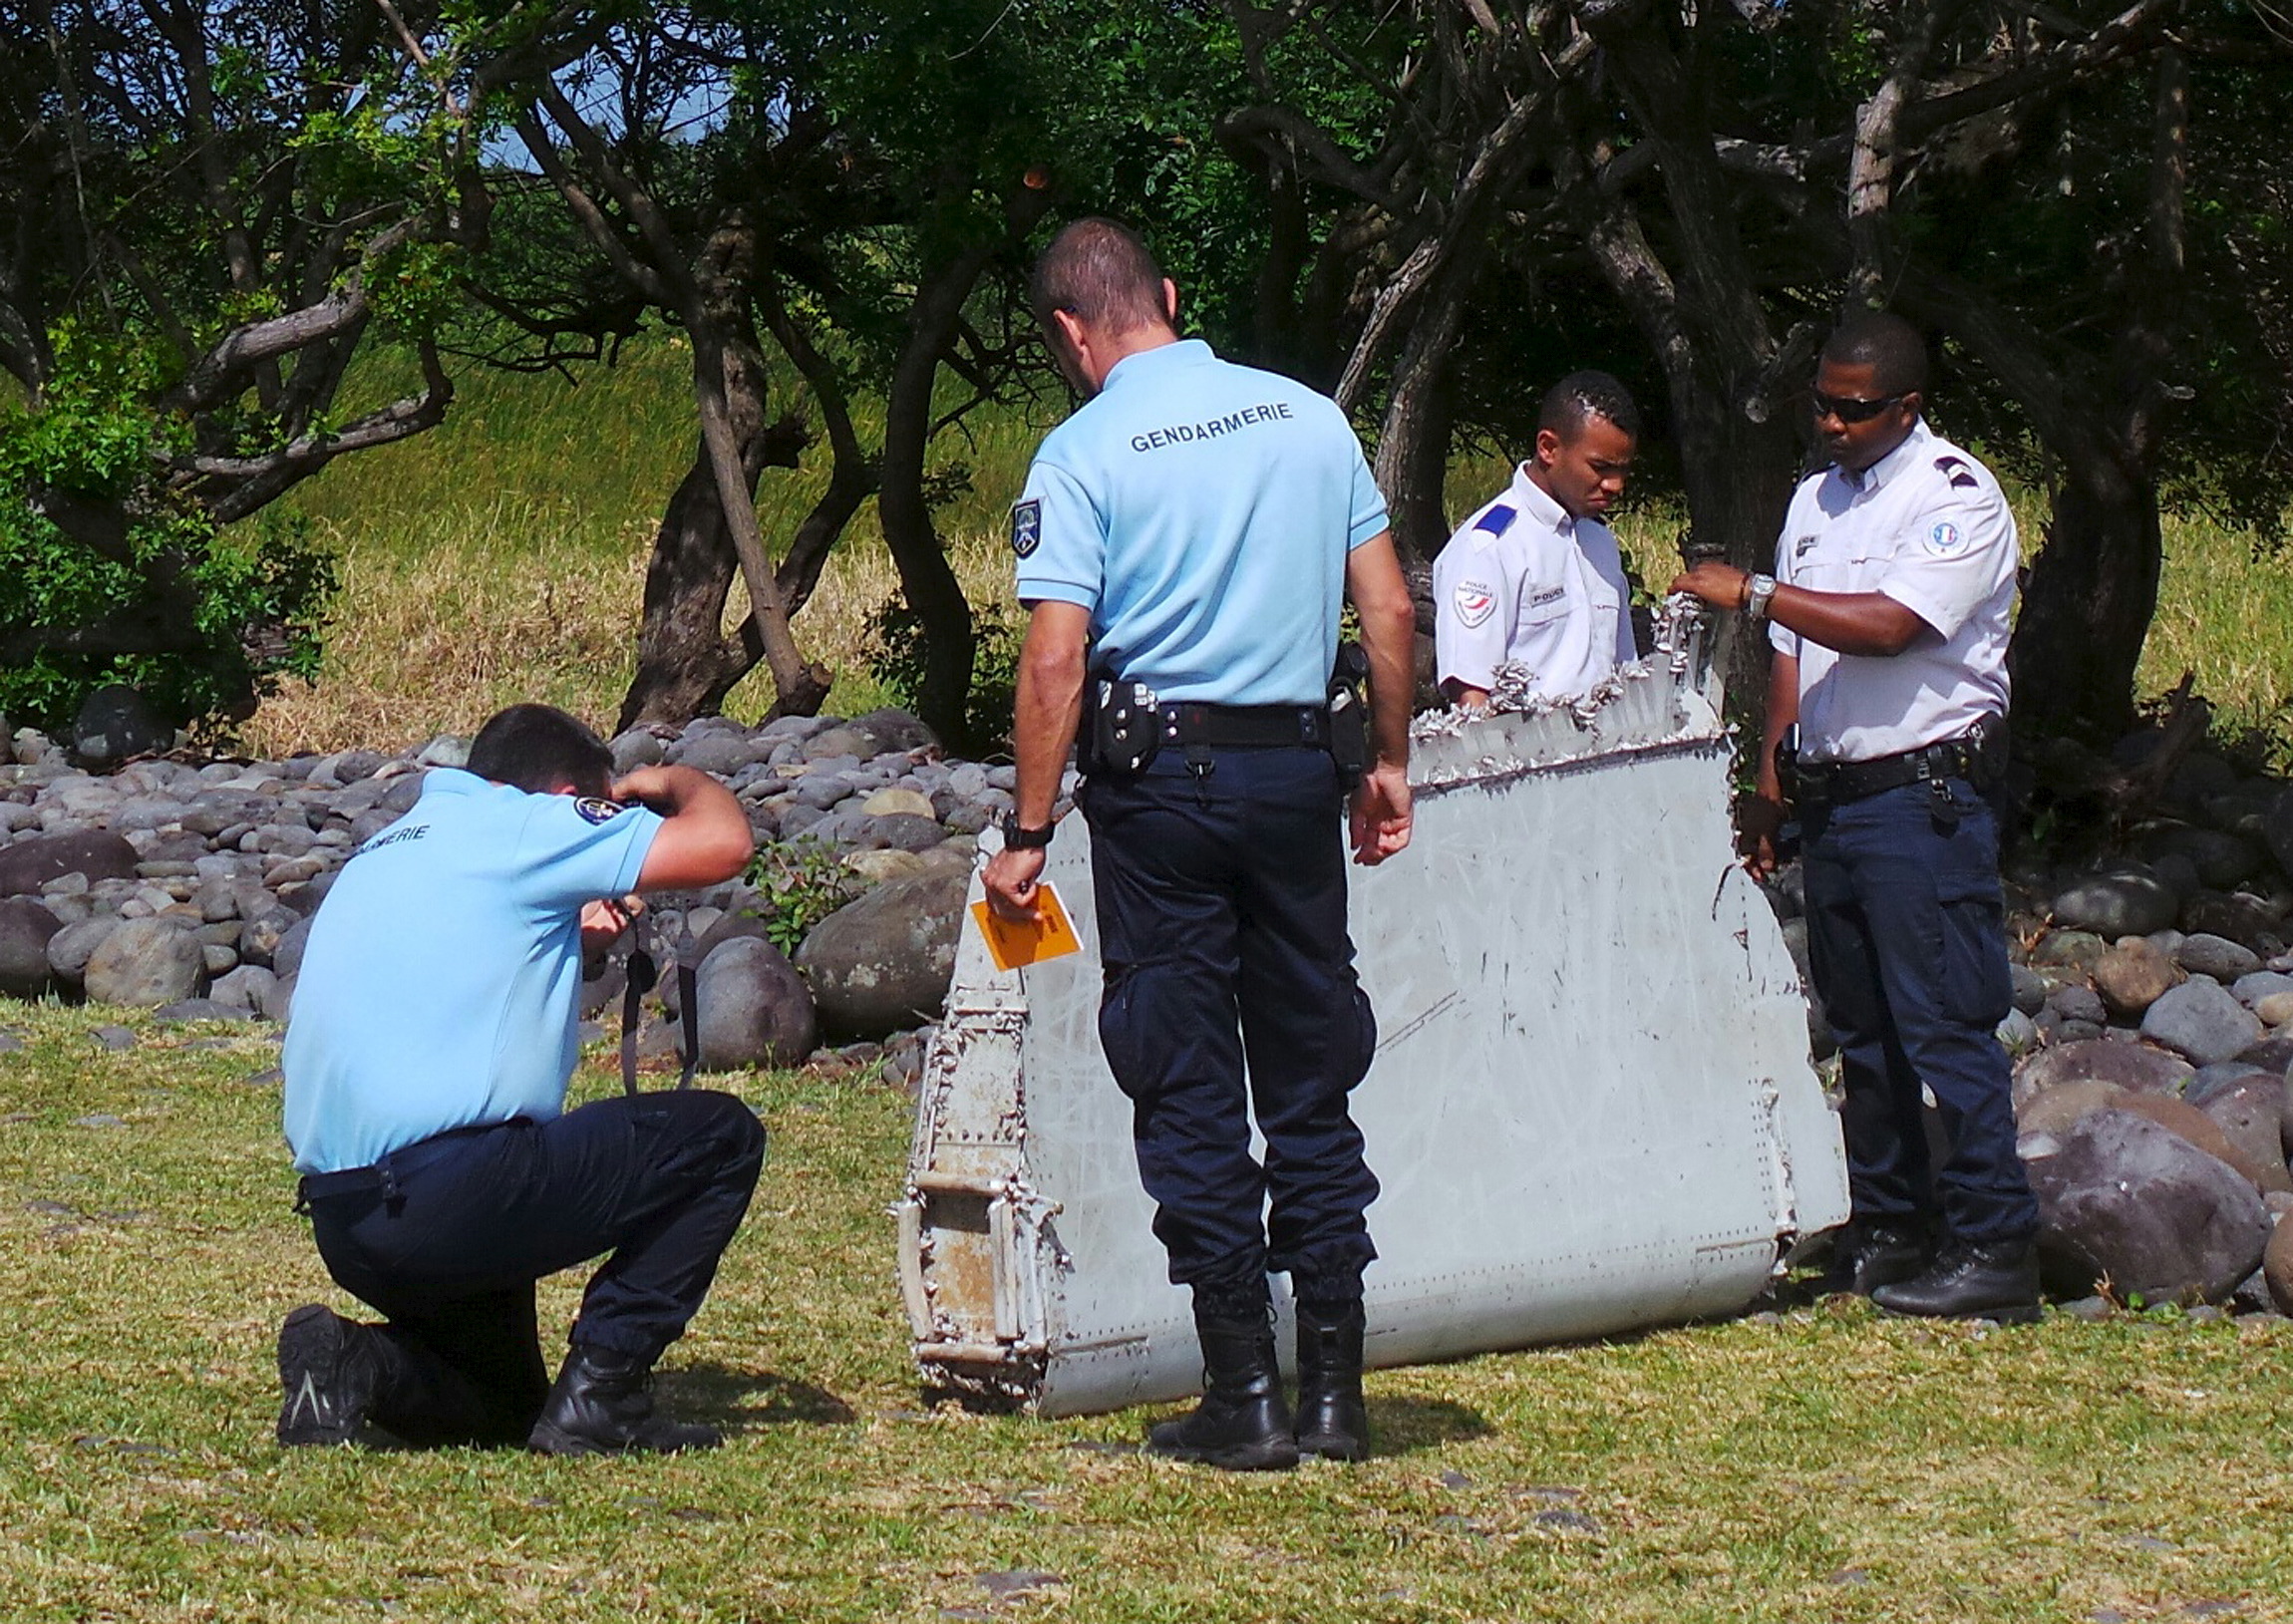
x: 1027, y: 941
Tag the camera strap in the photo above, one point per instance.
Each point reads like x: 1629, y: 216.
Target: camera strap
x: 644, y: 975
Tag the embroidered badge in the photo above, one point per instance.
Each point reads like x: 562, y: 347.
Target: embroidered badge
x: 595, y: 810
x: 1497, y: 520
x: 1026, y: 526
x: 1946, y: 541
x: 1800, y: 547
x: 1548, y: 594
x: 1958, y: 472
x: 1475, y: 603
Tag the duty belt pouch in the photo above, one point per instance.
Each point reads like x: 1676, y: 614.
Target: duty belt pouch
x: 1124, y: 730
x: 1350, y: 714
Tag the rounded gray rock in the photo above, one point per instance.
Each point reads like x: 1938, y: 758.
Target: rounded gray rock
x: 2114, y: 905
x: 70, y: 950
x: 2029, y: 989
x: 754, y: 1008
x: 2077, y: 1003
x: 2217, y: 956
x: 2124, y: 1197
x: 2222, y: 860
x: 881, y: 964
x: 287, y: 957
x: 26, y: 929
x: 243, y: 988
x: 2202, y: 1022
x: 145, y: 963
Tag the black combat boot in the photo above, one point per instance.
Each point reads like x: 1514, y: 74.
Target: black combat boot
x: 1241, y: 1424
x: 1332, y: 1420
x: 329, y: 1369
x: 1866, y: 1256
x: 1993, y: 1280
x: 602, y: 1403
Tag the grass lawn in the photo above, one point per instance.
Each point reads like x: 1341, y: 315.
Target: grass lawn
x: 1827, y: 1465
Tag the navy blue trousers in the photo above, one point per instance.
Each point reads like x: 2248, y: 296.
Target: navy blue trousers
x: 1906, y: 938
x: 1223, y: 932
x: 658, y: 1181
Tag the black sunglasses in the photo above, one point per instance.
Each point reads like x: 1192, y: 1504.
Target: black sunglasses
x: 1848, y: 407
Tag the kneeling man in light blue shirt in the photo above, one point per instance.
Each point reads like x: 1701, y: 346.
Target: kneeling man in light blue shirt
x: 425, y: 1063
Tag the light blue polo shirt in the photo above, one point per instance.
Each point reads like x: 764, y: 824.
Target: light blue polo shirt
x: 1203, y: 513
x: 440, y: 984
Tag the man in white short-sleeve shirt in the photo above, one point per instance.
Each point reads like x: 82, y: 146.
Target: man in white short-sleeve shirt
x: 1534, y: 578
x: 1888, y: 616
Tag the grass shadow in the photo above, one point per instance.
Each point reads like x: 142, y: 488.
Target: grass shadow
x: 1409, y: 1425
x: 732, y: 1397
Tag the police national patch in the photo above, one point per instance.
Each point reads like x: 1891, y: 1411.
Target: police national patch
x: 1026, y: 526
x: 597, y: 810
x: 1475, y: 603
x: 1946, y: 541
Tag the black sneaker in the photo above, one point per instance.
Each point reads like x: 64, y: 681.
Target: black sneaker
x: 1997, y: 1280
x: 1866, y: 1257
x: 326, y: 1377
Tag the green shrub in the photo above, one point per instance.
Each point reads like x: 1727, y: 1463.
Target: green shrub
x: 803, y: 882
x: 895, y: 653
x: 202, y: 621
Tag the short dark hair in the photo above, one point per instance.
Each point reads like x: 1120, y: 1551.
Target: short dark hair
x: 1583, y: 396
x: 1890, y: 346
x: 539, y: 749
x: 1099, y: 272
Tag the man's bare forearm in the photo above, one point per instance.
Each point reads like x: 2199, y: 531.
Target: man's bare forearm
x: 1047, y: 707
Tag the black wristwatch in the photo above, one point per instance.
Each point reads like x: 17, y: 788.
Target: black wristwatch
x: 1018, y: 838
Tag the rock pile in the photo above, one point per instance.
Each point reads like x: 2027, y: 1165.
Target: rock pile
x: 2153, y: 1030
x: 189, y: 890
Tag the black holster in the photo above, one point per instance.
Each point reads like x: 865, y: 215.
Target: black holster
x: 1121, y: 728
x: 1350, y: 714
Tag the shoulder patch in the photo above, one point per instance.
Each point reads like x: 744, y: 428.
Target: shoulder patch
x: 1945, y: 540
x: 1026, y: 526
x: 597, y: 810
x: 1497, y: 520
x: 1474, y: 601
x: 1955, y: 470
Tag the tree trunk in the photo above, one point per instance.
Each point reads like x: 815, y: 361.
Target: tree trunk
x: 2087, y: 604
x: 686, y: 665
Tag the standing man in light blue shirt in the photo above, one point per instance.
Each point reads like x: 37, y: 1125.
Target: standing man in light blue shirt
x: 1196, y: 527
x: 425, y: 1069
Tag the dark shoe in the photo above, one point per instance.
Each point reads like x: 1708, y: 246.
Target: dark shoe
x: 326, y: 1377
x: 1868, y: 1257
x: 602, y: 1403
x: 1993, y: 1281
x: 1332, y: 1420
x: 1241, y: 1424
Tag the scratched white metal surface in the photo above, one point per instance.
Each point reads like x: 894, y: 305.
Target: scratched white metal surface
x: 1591, y: 1107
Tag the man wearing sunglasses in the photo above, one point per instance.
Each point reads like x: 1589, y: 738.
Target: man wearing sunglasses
x: 1886, y: 705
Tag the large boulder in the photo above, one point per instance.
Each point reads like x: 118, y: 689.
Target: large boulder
x: 26, y: 929
x: 75, y: 945
x: 2134, y: 975
x: 753, y: 1008
x: 2130, y: 1066
x: 97, y: 854
x: 2240, y: 918
x: 2202, y: 1022
x: 146, y: 963
x: 2250, y: 1113
x: 882, y: 963
x: 2123, y: 1199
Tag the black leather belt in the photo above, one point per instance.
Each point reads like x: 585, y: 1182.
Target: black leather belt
x: 1228, y: 726
x: 382, y: 1175
x: 1976, y: 756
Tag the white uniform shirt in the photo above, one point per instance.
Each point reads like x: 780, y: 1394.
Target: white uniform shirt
x: 1521, y: 582
x: 1926, y: 525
